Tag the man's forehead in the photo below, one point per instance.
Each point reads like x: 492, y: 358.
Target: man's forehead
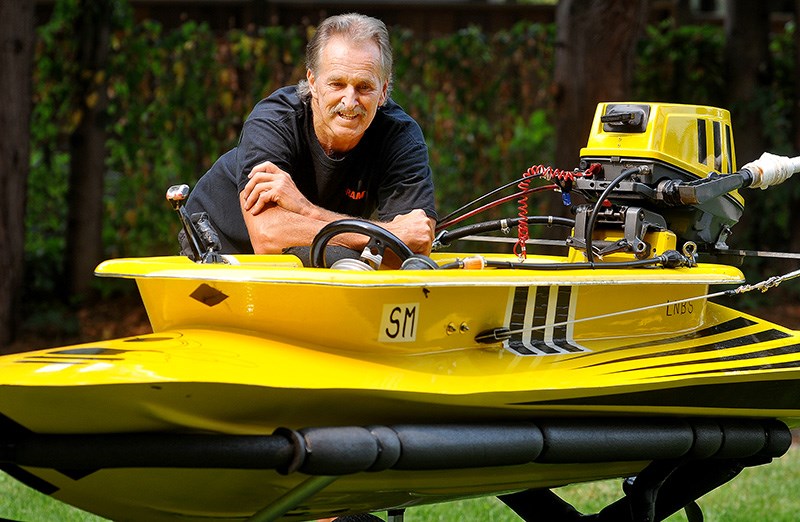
x: 348, y: 53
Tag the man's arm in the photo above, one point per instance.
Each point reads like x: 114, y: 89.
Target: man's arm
x: 278, y: 216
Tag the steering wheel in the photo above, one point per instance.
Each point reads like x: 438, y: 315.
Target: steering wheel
x: 379, y: 239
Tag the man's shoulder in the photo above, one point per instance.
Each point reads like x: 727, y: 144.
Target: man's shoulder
x: 281, y: 104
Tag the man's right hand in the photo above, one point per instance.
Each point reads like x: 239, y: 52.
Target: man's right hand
x: 269, y: 185
x: 415, y: 229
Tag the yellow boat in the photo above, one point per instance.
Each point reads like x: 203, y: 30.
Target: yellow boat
x: 270, y: 390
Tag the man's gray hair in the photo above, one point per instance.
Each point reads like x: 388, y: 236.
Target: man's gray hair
x: 357, y: 28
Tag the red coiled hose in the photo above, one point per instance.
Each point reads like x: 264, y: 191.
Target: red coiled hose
x: 562, y: 178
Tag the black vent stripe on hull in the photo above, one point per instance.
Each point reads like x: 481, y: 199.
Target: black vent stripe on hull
x: 774, y: 395
x: 532, y: 309
x: 79, y: 356
x: 756, y: 368
x: 737, y: 323
x: 760, y: 354
x: 736, y: 342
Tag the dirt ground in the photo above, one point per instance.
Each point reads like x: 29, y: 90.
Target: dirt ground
x: 104, y: 319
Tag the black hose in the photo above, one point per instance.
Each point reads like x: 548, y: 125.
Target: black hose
x: 639, y: 263
x: 446, y: 237
x: 593, y: 218
x: 351, y: 449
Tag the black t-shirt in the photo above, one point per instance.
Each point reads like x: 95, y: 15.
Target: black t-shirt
x: 386, y: 174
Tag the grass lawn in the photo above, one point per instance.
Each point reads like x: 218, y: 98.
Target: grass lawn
x: 760, y: 493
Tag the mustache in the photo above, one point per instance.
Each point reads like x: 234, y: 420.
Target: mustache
x: 341, y: 107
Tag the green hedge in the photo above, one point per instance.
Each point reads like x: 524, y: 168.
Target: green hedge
x: 178, y: 98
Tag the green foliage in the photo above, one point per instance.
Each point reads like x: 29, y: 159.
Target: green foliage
x: 161, y: 131
x: 775, y: 104
x: 681, y: 65
x: 52, y: 112
x: 176, y: 102
x: 56, y: 112
x: 780, y: 96
x: 481, y: 101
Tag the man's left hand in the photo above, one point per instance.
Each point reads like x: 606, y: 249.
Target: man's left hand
x: 415, y: 229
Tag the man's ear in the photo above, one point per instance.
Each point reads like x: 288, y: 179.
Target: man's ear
x: 384, y: 94
x: 311, y: 82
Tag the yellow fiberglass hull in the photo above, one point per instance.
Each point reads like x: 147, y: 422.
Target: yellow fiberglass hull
x: 212, y: 382
x: 232, y: 382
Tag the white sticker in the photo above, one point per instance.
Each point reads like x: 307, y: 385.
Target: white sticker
x: 399, y: 323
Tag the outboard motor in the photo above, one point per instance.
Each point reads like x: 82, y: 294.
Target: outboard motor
x: 666, y: 167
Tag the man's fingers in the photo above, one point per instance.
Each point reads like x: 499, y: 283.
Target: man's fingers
x: 258, y: 206
x: 267, y: 166
x: 251, y: 195
x: 261, y: 196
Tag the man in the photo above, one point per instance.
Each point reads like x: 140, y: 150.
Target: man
x: 332, y: 147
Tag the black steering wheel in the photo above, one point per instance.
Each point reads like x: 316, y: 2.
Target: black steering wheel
x: 379, y: 239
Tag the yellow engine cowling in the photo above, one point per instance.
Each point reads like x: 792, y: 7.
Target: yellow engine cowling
x: 676, y: 143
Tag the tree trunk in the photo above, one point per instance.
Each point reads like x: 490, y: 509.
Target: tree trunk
x: 16, y: 65
x: 595, y: 56
x: 794, y: 243
x: 748, y: 70
x: 87, y: 149
x: 682, y: 13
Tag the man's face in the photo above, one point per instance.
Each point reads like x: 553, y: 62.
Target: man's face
x: 346, y: 92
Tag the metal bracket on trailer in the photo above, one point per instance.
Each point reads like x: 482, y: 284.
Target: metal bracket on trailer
x: 293, y: 498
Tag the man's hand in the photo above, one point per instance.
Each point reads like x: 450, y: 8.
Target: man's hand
x: 415, y: 229
x: 269, y: 186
